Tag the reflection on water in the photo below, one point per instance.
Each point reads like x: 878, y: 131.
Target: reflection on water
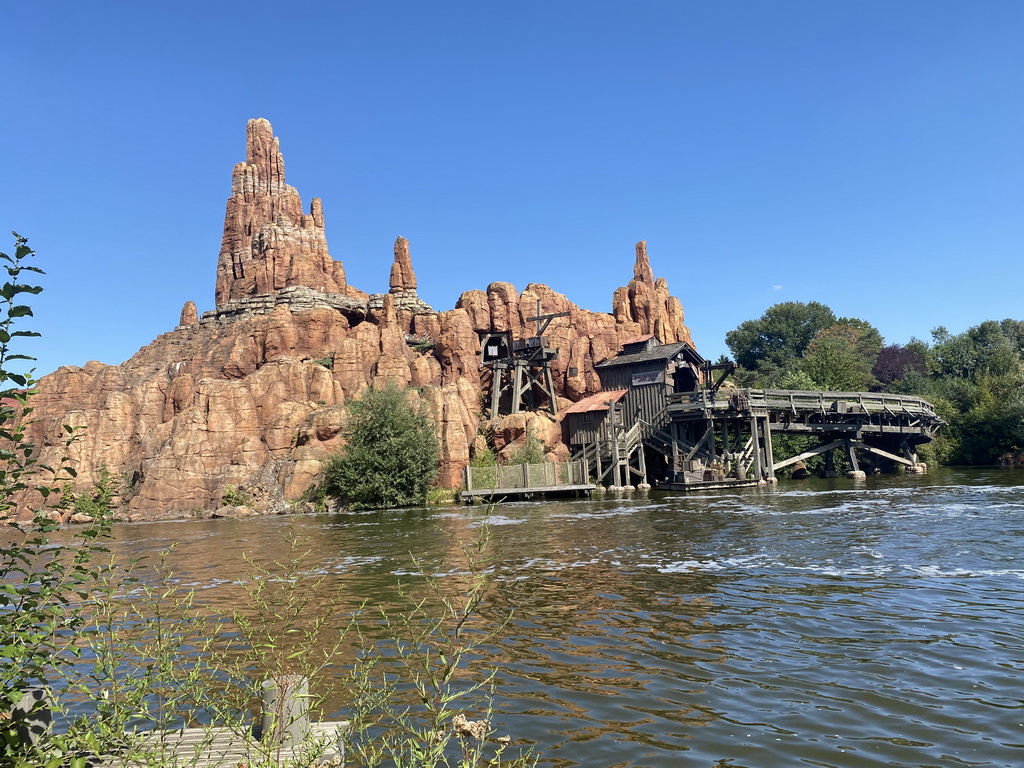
x: 826, y: 623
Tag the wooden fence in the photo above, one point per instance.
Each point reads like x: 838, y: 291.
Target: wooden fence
x: 509, y: 476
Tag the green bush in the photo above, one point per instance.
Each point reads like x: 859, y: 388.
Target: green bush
x: 234, y: 497
x: 96, y: 502
x: 530, y: 452
x: 390, y: 456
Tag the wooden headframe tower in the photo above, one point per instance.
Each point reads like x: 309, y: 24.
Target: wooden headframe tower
x: 520, y: 369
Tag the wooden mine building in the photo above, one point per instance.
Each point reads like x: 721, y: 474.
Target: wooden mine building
x: 664, y: 415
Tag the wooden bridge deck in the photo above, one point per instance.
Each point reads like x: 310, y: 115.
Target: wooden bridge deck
x: 798, y: 411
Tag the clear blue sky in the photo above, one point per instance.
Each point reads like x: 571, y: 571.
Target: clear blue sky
x: 867, y: 155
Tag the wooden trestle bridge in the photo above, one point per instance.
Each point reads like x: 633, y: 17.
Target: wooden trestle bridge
x: 731, y: 431
x: 707, y: 438
x: 666, y: 415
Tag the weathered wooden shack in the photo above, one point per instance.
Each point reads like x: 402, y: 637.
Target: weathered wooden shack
x: 588, y: 420
x: 650, y: 371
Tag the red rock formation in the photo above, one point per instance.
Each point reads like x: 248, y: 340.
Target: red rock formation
x: 646, y: 306
x: 402, y: 276
x: 189, y: 314
x: 268, y: 242
x: 252, y: 394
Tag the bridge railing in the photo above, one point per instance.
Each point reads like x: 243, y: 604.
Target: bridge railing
x: 509, y: 476
x: 801, y: 401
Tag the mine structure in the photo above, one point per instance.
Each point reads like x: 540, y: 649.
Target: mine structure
x: 666, y: 414
x: 520, y: 368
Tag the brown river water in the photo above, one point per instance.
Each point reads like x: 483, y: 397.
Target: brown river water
x: 826, y: 623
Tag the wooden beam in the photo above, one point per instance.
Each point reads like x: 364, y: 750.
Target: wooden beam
x: 808, y: 454
x: 883, y: 454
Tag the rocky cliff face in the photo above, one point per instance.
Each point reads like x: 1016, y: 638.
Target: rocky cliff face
x: 252, y: 394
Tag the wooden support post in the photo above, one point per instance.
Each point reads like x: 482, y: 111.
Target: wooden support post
x: 497, y: 385
x: 756, y: 445
x: 644, y: 485
x: 517, y: 385
x: 830, y: 464
x: 549, y: 383
x: 675, y: 451
x: 285, y: 710
x: 769, y: 452
x: 855, y: 470
x: 712, y: 447
x: 616, y: 459
x: 31, y: 717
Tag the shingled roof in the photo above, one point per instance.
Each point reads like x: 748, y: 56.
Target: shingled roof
x: 598, y: 402
x: 659, y: 353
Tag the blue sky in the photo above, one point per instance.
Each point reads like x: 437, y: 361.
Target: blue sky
x: 867, y: 155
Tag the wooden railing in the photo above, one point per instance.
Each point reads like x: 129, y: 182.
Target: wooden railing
x: 799, y: 401
x: 508, y: 476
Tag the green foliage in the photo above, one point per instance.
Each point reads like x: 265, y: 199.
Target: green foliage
x: 327, y: 361
x: 96, y: 502
x: 390, y: 456
x: 530, y: 452
x: 234, y: 497
x: 800, y: 380
x: 438, y: 495
x: 484, y: 458
x: 41, y: 581
x: 794, y: 338
x: 779, y: 336
x: 975, y: 379
x: 840, y: 358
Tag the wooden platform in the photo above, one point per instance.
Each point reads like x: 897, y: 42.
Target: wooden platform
x: 514, y: 494
x: 507, y: 482
x: 706, y: 485
x: 228, y: 748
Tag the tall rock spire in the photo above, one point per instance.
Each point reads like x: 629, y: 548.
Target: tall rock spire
x: 269, y: 243
x: 402, y: 276
x: 645, y: 305
x: 642, y: 269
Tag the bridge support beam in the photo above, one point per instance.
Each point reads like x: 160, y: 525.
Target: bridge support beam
x: 855, y: 471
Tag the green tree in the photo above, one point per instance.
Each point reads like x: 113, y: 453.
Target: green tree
x: 976, y: 382
x: 770, y: 343
x: 390, y: 456
x: 840, y: 358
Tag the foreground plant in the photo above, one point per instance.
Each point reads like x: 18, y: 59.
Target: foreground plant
x: 415, y: 692
x: 41, y: 581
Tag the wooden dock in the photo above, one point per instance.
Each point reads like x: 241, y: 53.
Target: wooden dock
x: 526, y: 481
x: 230, y: 748
x: 707, y: 485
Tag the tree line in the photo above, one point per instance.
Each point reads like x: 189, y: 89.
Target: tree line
x: 975, y: 379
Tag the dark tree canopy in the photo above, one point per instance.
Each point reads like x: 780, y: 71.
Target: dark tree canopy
x: 895, y: 361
